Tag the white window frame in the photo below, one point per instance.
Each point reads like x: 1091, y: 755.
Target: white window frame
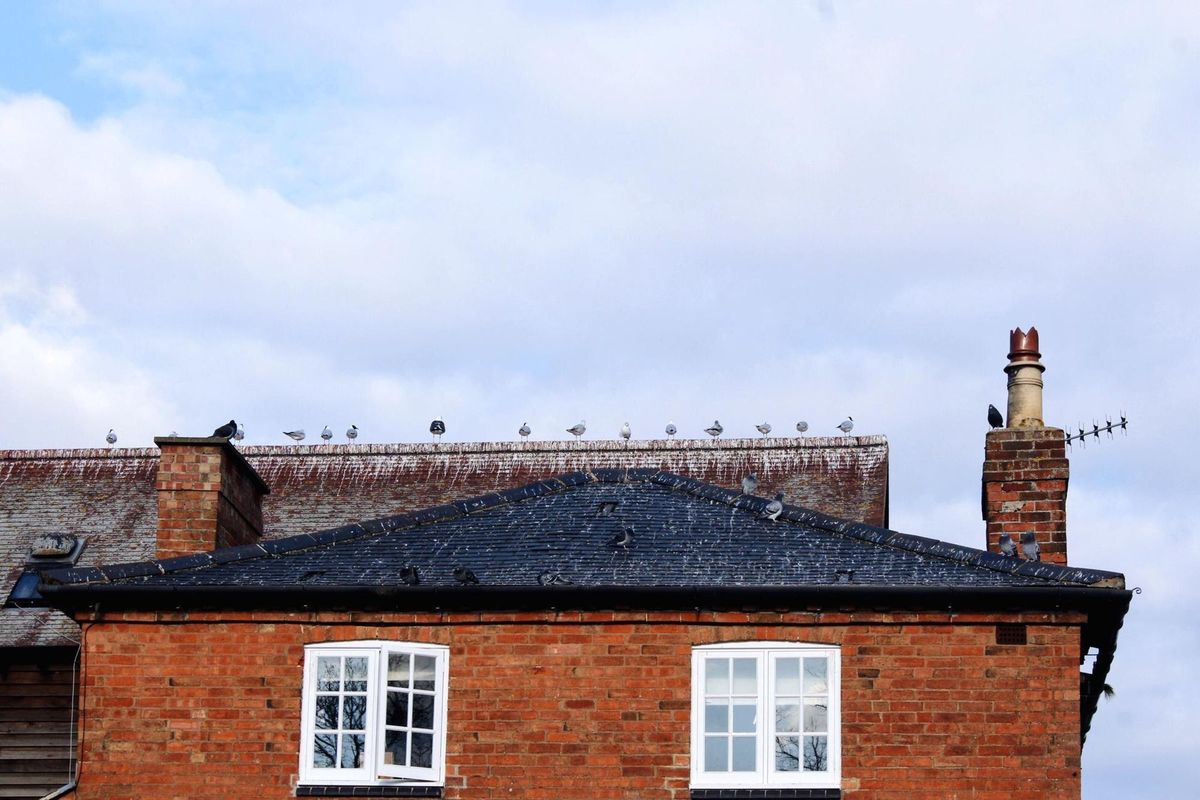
x: 373, y: 771
x: 765, y: 776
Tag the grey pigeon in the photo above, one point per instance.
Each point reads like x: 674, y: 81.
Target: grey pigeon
x: 240, y: 433
x: 110, y: 437
x: 622, y: 539
x: 326, y: 434
x: 671, y: 430
x: 764, y: 428
x: 1029, y: 546
x: 297, y: 434
x: 801, y: 426
x: 410, y: 575
x: 846, y: 425
x: 994, y: 417
x: 465, y: 576
x: 351, y: 433
x: 715, y: 429
x: 774, y: 508
x: 524, y: 430
x: 553, y: 579
x: 1007, y: 547
x: 437, y: 428
x: 226, y: 431
x: 626, y: 431
x: 578, y: 428
x: 749, y: 484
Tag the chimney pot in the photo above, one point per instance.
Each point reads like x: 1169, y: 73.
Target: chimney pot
x: 1024, y: 380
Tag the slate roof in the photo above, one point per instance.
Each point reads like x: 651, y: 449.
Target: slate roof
x: 686, y: 534
x: 108, y: 497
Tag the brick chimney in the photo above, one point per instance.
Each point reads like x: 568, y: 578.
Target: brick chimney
x: 208, y: 496
x: 1025, y: 469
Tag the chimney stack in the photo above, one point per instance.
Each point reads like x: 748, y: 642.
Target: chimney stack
x: 1025, y: 469
x: 208, y: 496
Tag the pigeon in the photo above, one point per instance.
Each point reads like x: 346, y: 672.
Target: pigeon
x: 553, y: 579
x: 226, y: 431
x: 994, y: 417
x: 465, y: 576
x: 578, y: 428
x: 622, y: 539
x: 1029, y: 546
x: 671, y: 429
x: 326, y: 434
x: 240, y: 433
x: 351, y: 433
x: 749, y: 484
x: 764, y: 428
x: 846, y: 425
x: 437, y: 428
x: 1007, y: 547
x: 774, y: 508
x: 715, y: 429
x: 298, y: 434
x: 801, y: 426
x: 110, y: 437
x: 626, y: 432
x: 524, y: 430
x: 410, y: 575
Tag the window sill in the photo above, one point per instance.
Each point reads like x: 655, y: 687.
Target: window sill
x: 766, y: 794
x: 369, y: 791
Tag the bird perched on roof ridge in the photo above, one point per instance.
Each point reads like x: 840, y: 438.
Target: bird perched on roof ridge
x: 297, y: 435
x: 846, y: 425
x: 437, y: 428
x: 226, y: 431
x: 774, y: 508
x: 749, y: 484
x: 764, y: 428
x: 465, y: 576
x: 802, y: 427
x: 715, y: 429
x: 994, y: 417
x: 1007, y: 547
x: 110, y: 437
x: 578, y: 429
x: 1029, y: 546
x: 351, y: 433
x: 671, y: 430
x: 410, y: 575
x: 326, y: 434
x: 626, y: 431
x: 240, y: 433
x: 622, y: 539
x: 524, y: 430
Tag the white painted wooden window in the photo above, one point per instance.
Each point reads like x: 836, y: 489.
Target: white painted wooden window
x: 766, y: 714
x: 374, y: 712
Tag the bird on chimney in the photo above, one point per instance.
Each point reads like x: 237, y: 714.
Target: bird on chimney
x: 626, y: 431
x: 801, y: 427
x: 410, y: 575
x: 764, y: 428
x: 774, y: 508
x: 671, y: 430
x: 578, y: 429
x: 296, y: 435
x: 465, y: 576
x: 622, y: 539
x: 715, y: 429
x: 110, y: 437
x: 749, y: 484
x: 524, y: 430
x: 1029, y: 546
x: 226, y: 431
x: 1007, y: 546
x: 240, y: 433
x: 846, y: 425
x: 437, y: 428
x: 351, y: 433
x: 995, y: 419
x: 326, y: 434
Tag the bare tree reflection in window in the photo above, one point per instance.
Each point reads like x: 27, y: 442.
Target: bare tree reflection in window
x: 787, y: 754
x: 324, y: 750
x: 816, y: 753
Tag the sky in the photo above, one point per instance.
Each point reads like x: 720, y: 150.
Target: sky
x: 300, y: 214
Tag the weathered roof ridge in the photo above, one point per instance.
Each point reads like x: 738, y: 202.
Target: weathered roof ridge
x: 923, y: 546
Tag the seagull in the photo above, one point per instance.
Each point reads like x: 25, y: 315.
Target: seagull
x: 351, y: 433
x: 801, y: 426
x: 749, y: 483
x: 553, y: 579
x: 524, y: 430
x: 774, y: 508
x: 846, y: 425
x: 240, y: 433
x: 410, y: 575
x: 994, y: 417
x: 671, y: 429
x: 110, y: 437
x: 622, y: 539
x: 326, y: 434
x: 437, y: 428
x: 465, y: 576
x: 626, y: 432
x: 764, y: 428
x: 1029, y: 546
x: 297, y: 434
x: 1006, y: 545
x: 578, y: 428
x: 715, y: 429
x: 226, y: 431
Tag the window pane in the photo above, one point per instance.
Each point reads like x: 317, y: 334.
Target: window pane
x: 422, y: 749
x: 787, y: 753
x: 816, y: 716
x: 356, y: 673
x: 744, y: 757
x: 716, y: 754
x: 395, y: 746
x: 397, y: 708
x: 423, y: 672
x: 422, y: 711
x: 329, y: 673
x: 716, y: 676
x: 397, y: 676
x: 816, y: 755
x: 354, y: 712
x: 787, y: 717
x: 324, y: 750
x: 327, y: 711
x: 744, y: 719
x: 745, y: 676
x: 814, y: 676
x: 716, y: 718
x: 353, y: 747
x: 787, y: 676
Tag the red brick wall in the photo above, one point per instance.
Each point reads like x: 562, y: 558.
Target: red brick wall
x: 583, y: 705
x: 1025, y: 474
